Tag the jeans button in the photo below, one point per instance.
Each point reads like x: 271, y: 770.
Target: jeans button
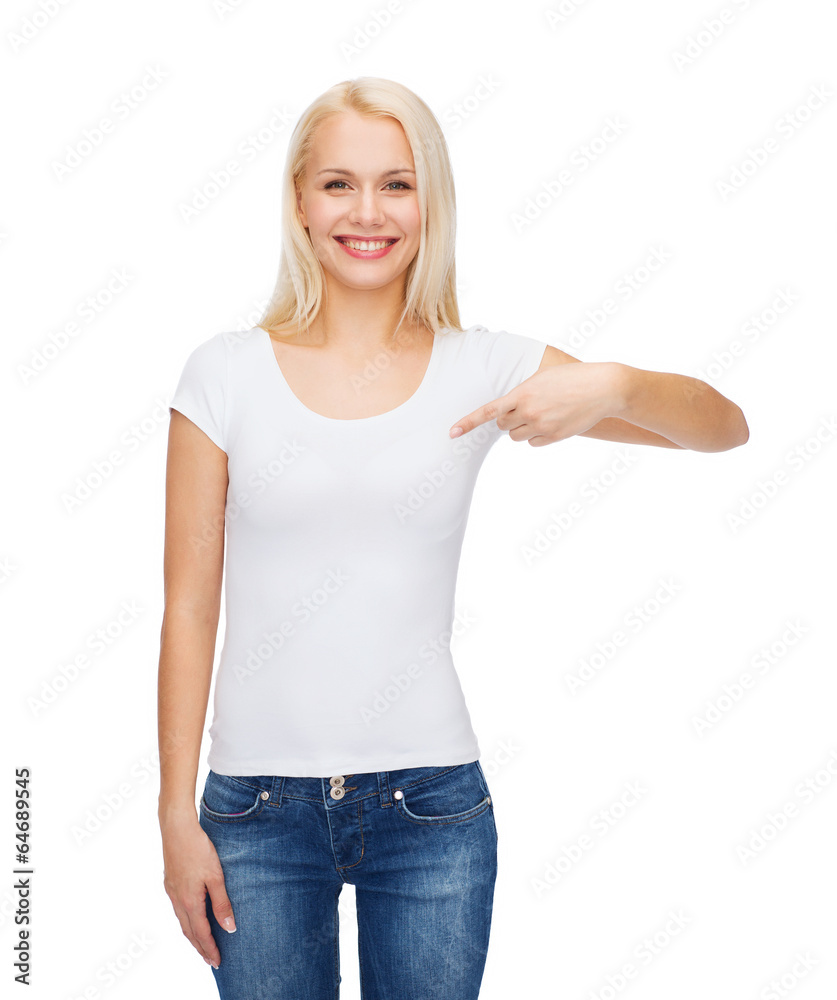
x: 336, y: 780
x: 398, y: 794
x: 337, y: 792
x: 265, y: 795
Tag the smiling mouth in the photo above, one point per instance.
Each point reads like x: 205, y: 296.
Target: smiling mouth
x: 365, y: 245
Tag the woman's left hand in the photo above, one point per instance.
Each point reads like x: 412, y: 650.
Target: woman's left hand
x: 554, y: 403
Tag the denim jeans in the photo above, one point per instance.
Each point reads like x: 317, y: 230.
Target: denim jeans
x: 418, y: 844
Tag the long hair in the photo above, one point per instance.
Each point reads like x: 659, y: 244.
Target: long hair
x: 430, y: 289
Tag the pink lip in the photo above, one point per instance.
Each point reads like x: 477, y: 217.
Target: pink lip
x: 366, y: 254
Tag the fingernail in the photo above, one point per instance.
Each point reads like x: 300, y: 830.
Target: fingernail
x: 456, y: 432
x: 228, y: 924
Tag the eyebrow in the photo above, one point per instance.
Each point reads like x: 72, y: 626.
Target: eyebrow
x: 348, y: 173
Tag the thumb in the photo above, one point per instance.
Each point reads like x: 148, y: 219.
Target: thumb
x: 221, y: 905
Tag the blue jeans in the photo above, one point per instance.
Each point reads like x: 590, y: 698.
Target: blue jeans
x: 418, y: 844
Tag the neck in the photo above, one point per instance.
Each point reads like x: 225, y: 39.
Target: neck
x: 352, y: 319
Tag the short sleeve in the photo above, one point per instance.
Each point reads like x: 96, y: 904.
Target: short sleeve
x: 510, y: 359
x: 201, y: 391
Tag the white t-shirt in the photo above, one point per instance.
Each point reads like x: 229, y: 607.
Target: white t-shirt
x: 343, y: 540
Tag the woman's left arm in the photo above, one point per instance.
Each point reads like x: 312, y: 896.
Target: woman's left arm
x: 615, y: 402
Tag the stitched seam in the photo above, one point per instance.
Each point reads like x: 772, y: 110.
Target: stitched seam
x: 361, y: 944
x: 340, y: 868
x: 232, y: 817
x: 336, y: 946
x: 312, y: 798
x: 432, y: 821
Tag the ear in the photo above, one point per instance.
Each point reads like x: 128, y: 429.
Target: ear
x: 300, y: 209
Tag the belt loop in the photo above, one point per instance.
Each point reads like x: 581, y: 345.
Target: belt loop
x: 278, y: 788
x: 384, y: 789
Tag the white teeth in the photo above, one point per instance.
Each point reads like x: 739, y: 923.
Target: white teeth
x: 366, y: 245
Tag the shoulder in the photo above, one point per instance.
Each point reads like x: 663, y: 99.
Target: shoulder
x: 216, y: 353
x: 201, y: 391
x: 506, y: 355
x: 206, y: 364
x: 480, y: 339
x: 502, y: 346
x: 212, y: 349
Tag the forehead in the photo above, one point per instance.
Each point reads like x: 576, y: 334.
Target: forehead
x: 362, y: 143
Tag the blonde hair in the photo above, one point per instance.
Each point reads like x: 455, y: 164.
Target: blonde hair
x: 430, y: 290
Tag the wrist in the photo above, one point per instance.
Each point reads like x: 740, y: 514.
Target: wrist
x: 621, y: 386
x: 176, y: 812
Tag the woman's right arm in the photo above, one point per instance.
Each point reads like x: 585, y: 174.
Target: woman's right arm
x: 193, y: 563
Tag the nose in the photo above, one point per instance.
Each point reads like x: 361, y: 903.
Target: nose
x: 367, y: 209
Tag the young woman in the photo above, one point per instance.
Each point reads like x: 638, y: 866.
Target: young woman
x: 322, y: 444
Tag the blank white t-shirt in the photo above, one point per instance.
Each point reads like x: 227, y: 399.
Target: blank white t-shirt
x: 343, y: 540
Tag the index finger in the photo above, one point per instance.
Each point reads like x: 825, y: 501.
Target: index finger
x: 482, y: 414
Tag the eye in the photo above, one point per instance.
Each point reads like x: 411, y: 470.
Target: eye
x: 402, y: 185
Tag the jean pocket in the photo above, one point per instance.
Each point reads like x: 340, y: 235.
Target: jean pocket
x: 455, y: 796
x: 227, y: 799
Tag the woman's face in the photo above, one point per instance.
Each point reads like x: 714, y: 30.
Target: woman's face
x: 361, y: 184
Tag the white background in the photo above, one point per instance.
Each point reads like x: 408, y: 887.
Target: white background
x: 530, y: 91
